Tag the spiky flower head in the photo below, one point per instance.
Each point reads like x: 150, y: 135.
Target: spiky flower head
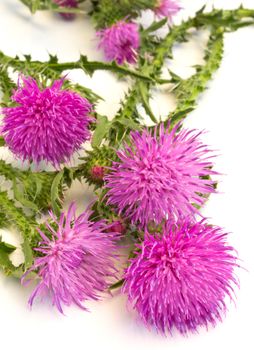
x: 47, y: 124
x: 167, y: 8
x: 77, y: 260
x: 160, y: 176
x: 120, y: 42
x: 67, y: 3
x: 179, y: 278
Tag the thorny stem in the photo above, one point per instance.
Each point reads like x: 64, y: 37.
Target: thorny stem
x: 88, y: 67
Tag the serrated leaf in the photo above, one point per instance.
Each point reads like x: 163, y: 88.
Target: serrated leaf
x: 55, y: 200
x: 174, y: 77
x: 18, y: 272
x: 199, y: 12
x: 155, y: 26
x: 6, y: 247
x: 38, y: 184
x: 85, y: 92
x: 5, y: 262
x: 28, y: 58
x: 144, y: 93
x: 68, y: 176
x: 179, y: 115
x: 129, y: 123
x: 101, y: 130
x: 19, y: 196
x: 28, y: 253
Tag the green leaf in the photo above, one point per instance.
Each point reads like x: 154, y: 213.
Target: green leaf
x: 116, y: 285
x: 199, y: 12
x: 85, y: 92
x: 101, y: 130
x: 174, y: 77
x: 19, y: 196
x: 5, y: 262
x: 28, y: 253
x: 6, y: 247
x: 38, y: 184
x: 129, y: 123
x: 2, y: 142
x: 16, y: 216
x: 144, y: 92
x: 68, y: 176
x: 55, y: 200
x: 155, y: 26
x: 187, y: 91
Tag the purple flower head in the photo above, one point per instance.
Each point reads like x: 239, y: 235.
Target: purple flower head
x: 160, y: 176
x: 67, y: 3
x: 46, y: 124
x: 167, y: 8
x: 120, y: 42
x: 76, y: 262
x: 180, y: 278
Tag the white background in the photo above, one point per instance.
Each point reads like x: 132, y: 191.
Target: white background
x: 225, y: 110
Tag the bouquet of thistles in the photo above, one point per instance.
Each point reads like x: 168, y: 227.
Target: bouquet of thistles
x: 150, y: 182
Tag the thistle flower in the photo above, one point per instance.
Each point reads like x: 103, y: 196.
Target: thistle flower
x: 180, y: 278
x: 167, y: 8
x: 160, y: 177
x: 120, y: 42
x: 46, y: 124
x: 67, y: 3
x: 76, y: 262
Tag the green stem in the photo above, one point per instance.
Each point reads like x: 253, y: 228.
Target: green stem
x: 187, y: 91
x: 88, y: 67
x: 91, y: 66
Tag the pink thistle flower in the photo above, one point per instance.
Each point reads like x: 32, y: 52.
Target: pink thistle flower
x: 160, y: 177
x: 67, y: 3
x: 46, y: 124
x: 77, y: 261
x: 180, y: 278
x: 120, y: 42
x: 167, y: 8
